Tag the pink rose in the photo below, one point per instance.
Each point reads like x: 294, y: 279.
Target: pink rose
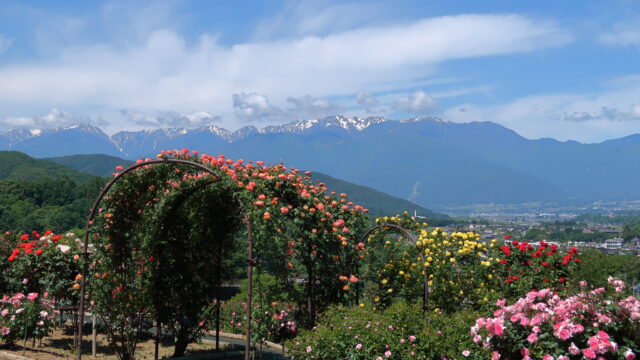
x: 629, y: 355
x: 564, y: 334
x: 589, y: 354
x: 573, y: 349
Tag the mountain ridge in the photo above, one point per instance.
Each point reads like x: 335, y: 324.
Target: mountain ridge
x: 434, y: 162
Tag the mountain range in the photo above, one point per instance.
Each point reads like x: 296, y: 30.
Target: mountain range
x: 432, y: 162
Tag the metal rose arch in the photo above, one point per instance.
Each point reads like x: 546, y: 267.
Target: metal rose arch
x: 250, y: 260
x: 385, y: 228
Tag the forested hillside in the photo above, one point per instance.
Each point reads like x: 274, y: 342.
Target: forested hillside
x: 39, y: 194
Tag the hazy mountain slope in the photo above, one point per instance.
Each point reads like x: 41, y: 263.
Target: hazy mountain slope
x: 16, y: 165
x: 405, y: 165
x: 94, y: 164
x: 377, y: 202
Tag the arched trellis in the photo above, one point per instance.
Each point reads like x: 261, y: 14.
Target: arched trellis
x: 406, y: 232
x: 250, y: 260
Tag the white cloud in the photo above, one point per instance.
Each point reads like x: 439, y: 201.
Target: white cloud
x: 169, y: 118
x: 254, y: 106
x: 630, y: 113
x: 365, y: 98
x: 625, y: 33
x: 418, y: 102
x: 168, y: 73
x: 308, y: 107
x: 589, y: 117
x: 5, y: 43
x: 54, y: 118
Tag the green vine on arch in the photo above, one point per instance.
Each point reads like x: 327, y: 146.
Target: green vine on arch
x: 301, y: 231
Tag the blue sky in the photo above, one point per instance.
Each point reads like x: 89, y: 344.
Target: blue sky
x: 561, y: 69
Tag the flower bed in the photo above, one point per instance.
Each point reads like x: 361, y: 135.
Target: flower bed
x: 26, y: 317
x: 542, y: 325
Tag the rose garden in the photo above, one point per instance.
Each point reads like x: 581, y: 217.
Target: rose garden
x: 317, y: 275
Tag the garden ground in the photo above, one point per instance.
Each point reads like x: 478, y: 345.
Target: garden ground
x: 59, y: 345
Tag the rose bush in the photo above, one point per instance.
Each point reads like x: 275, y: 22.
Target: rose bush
x: 25, y: 317
x: 458, y: 266
x: 38, y: 263
x: 542, y: 325
x: 524, y: 266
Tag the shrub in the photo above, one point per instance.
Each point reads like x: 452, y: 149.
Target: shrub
x: 524, y: 266
x: 542, y: 325
x: 39, y: 264
x: 398, y: 332
x: 458, y: 266
x: 25, y: 317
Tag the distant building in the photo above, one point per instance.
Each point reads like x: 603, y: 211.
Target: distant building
x: 613, y: 244
x: 610, y: 231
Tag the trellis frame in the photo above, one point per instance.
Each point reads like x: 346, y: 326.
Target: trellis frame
x: 250, y: 260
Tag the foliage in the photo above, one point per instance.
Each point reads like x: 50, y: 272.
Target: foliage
x: 58, y: 203
x: 197, y: 223
x: 523, y: 267
x: 542, y: 325
x: 25, y: 317
x: 41, y: 264
x: 456, y: 266
x: 397, y: 332
x: 274, y: 316
x: 565, y: 234
x: 596, y: 266
x: 158, y: 219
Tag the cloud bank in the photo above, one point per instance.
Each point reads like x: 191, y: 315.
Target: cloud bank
x: 165, y: 72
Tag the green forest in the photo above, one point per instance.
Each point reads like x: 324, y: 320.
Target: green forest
x: 40, y: 194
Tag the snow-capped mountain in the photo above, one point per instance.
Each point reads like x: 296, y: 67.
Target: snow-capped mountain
x: 429, y: 160
x: 87, y: 139
x: 79, y: 138
x: 338, y: 122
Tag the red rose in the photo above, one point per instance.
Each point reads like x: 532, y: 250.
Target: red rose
x: 39, y: 251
